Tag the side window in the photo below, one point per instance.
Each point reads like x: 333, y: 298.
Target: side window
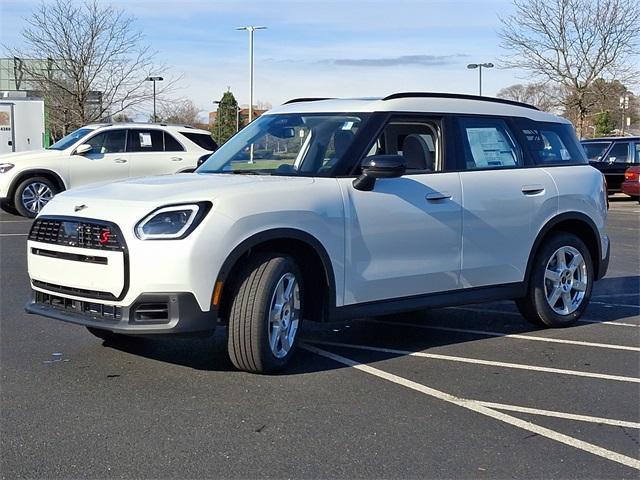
x: 552, y: 143
x: 619, y: 153
x: 171, y: 144
x: 203, y: 140
x: 416, y: 141
x: 145, y: 140
x: 595, y: 150
x: 489, y: 144
x: 111, y: 141
x: 637, y: 151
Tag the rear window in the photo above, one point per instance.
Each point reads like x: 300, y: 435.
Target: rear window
x: 171, y: 144
x: 203, y: 140
x: 595, y: 150
x: 552, y: 143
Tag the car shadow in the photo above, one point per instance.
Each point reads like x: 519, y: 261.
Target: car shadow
x: 411, y: 332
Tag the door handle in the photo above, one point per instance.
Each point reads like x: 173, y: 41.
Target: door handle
x: 176, y: 159
x: 532, y: 189
x: 432, y: 197
x: 120, y: 160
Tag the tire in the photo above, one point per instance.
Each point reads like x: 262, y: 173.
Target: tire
x: 105, y: 335
x: 39, y: 189
x: 263, y: 330
x: 549, y: 281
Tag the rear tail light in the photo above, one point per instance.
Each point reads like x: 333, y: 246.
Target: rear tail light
x: 632, y: 176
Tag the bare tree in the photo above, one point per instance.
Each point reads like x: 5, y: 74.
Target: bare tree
x: 545, y: 97
x: 87, y: 59
x: 182, y: 112
x: 572, y: 43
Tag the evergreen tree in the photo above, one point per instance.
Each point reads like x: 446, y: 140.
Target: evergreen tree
x: 604, y: 124
x: 225, y: 125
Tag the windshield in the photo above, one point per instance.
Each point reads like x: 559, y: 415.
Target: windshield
x: 287, y: 144
x: 73, y: 137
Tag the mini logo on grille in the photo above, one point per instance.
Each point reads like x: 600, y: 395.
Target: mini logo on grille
x: 77, y: 208
x: 104, y: 236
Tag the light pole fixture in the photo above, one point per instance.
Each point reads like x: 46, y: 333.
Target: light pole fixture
x: 154, y: 80
x: 479, y: 66
x: 624, y: 106
x: 251, y: 29
x: 218, y: 102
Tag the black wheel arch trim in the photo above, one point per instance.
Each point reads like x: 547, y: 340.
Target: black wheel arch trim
x: 22, y: 176
x: 282, y: 234
x: 598, y: 263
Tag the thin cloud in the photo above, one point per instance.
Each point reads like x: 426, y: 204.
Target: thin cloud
x: 423, y: 60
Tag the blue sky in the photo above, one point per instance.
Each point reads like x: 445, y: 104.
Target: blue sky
x: 314, y: 47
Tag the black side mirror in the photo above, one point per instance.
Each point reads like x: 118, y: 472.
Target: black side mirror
x: 379, y: 166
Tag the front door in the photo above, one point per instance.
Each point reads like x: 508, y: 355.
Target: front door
x: 403, y: 237
x: 106, y: 161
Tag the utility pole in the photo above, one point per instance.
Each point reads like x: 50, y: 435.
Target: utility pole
x: 251, y: 29
x: 154, y: 80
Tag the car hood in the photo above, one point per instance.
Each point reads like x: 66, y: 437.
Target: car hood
x: 145, y: 193
x: 30, y: 155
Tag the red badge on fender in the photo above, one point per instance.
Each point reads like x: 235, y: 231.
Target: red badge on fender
x: 104, y: 237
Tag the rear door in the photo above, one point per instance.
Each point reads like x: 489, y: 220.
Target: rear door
x: 503, y: 199
x: 618, y: 159
x: 107, y: 160
x: 146, y: 149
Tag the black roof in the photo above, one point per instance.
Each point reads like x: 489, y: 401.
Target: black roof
x: 609, y: 139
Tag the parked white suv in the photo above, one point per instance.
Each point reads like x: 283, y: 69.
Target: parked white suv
x: 98, y: 153
x: 331, y: 209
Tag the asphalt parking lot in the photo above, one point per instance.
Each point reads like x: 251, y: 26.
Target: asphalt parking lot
x: 469, y: 392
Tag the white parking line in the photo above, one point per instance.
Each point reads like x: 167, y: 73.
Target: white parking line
x: 617, y: 295
x: 506, y: 312
x: 478, y: 361
x: 479, y: 408
x: 608, y: 304
x: 509, y: 335
x: 13, y: 234
x: 15, y: 221
x: 567, y: 416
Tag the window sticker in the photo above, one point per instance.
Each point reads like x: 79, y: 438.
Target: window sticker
x: 145, y: 139
x: 490, y: 147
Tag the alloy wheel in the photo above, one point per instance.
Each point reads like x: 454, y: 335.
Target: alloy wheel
x: 35, y: 196
x: 284, y: 315
x: 565, y: 280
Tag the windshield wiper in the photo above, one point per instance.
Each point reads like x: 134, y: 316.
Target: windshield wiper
x: 249, y: 172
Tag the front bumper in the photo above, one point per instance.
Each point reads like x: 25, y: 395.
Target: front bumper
x: 156, y: 313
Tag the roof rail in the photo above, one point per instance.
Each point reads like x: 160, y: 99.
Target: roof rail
x: 308, y: 99
x: 459, y: 96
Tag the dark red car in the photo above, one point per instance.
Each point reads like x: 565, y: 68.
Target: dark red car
x: 631, y: 184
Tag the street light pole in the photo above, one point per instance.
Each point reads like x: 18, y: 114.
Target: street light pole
x: 251, y: 29
x: 479, y: 66
x: 154, y: 80
x: 624, y: 105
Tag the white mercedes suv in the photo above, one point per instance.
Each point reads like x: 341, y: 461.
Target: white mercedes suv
x: 99, y: 153
x: 326, y: 209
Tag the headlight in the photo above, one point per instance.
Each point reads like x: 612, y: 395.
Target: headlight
x: 5, y: 167
x: 174, y: 222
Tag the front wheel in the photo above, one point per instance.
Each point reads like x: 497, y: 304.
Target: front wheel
x: 32, y: 194
x: 265, y: 314
x: 560, y: 284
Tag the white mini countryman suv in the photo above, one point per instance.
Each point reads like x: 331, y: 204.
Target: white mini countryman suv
x: 327, y: 209
x: 99, y: 153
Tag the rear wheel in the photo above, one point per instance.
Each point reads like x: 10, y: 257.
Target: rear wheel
x: 560, y: 284
x: 265, y: 314
x: 32, y: 195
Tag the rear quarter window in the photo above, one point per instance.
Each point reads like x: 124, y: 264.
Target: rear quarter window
x: 203, y: 140
x: 552, y: 143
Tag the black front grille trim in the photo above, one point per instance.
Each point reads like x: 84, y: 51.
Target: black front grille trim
x: 49, y: 230
x: 96, y: 311
x: 79, y: 292
x: 70, y: 256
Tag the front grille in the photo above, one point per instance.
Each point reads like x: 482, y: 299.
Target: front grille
x: 74, y: 232
x: 79, y: 292
x: 93, y: 310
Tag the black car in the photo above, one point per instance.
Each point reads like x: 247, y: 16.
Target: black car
x: 612, y: 156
